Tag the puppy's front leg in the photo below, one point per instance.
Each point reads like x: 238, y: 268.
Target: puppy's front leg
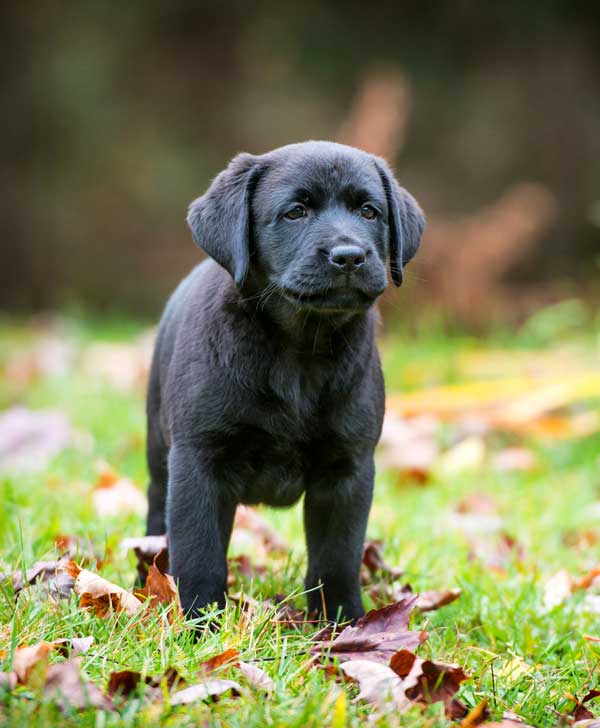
x: 199, y: 523
x: 335, y: 521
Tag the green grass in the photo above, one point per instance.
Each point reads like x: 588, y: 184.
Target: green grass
x: 499, y: 617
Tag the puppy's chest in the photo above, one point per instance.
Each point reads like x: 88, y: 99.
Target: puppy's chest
x: 273, y: 455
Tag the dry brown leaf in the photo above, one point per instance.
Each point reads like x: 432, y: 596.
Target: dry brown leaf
x: 161, y: 588
x: 427, y: 601
x: 561, y: 585
x: 146, y: 549
x: 125, y: 682
x: 257, y: 677
x: 430, y: 600
x: 114, y: 496
x: 65, y: 685
x: 34, y: 658
x: 209, y: 689
x: 375, y: 564
x: 376, y: 636
x: 30, y: 658
x: 379, y: 685
x: 581, y: 712
x: 101, y: 595
x: 56, y: 583
x: 227, y: 658
x: 427, y: 681
x: 78, y: 645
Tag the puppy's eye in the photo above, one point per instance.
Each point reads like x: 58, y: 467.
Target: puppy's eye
x: 368, y: 212
x: 296, y: 212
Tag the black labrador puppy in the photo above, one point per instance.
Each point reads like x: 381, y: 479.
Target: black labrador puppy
x: 266, y: 383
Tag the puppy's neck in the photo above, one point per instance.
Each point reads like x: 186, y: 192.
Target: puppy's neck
x: 311, y: 332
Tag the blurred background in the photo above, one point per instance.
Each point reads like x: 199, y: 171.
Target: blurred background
x: 116, y: 115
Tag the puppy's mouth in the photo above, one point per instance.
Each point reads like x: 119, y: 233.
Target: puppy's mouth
x: 339, y: 299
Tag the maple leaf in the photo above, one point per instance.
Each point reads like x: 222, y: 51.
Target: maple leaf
x: 426, y: 681
x: 376, y: 636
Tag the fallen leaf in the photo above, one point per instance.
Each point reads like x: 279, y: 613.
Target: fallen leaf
x: 587, y: 580
x: 257, y: 677
x: 375, y: 564
x: 210, y: 689
x: 146, y: 549
x: 65, y: 685
x: 428, y: 681
x: 208, y: 667
x: 35, y: 657
x: 160, y: 588
x: 379, y: 684
x: 376, y: 636
x: 56, y: 583
x: 581, y: 711
x: 561, y: 585
x: 125, y: 682
x: 78, y: 645
x: 101, y: 595
x: 430, y: 600
x: 427, y: 601
x: 114, y: 496
x: 30, y: 658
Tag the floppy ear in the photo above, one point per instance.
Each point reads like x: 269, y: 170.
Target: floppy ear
x: 220, y: 220
x: 406, y: 221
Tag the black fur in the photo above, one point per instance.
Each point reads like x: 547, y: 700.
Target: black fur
x: 266, y: 383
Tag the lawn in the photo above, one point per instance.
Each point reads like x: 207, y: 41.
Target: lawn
x: 488, y: 482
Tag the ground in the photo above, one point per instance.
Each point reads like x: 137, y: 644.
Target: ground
x: 460, y: 517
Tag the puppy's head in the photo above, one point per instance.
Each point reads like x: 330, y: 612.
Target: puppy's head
x: 314, y: 222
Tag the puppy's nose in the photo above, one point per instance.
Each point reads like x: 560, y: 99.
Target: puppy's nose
x: 347, y: 257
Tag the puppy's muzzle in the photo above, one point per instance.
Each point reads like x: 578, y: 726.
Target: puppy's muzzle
x: 347, y: 258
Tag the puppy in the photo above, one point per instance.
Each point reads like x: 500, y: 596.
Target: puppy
x: 266, y: 383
